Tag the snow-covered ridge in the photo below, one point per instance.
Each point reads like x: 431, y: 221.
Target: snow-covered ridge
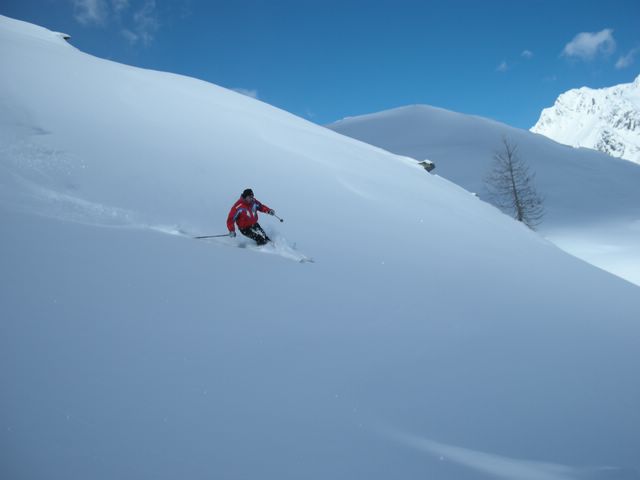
x: 34, y: 31
x: 592, y: 200
x: 606, y: 119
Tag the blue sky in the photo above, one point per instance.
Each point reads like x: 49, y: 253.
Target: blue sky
x: 325, y: 60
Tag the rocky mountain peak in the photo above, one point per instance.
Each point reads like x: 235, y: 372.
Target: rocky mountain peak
x: 606, y: 119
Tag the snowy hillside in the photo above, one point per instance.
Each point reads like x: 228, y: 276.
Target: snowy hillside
x: 592, y: 201
x: 433, y: 337
x: 606, y: 119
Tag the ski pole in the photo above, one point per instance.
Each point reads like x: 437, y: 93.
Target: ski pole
x: 281, y: 220
x: 212, y: 236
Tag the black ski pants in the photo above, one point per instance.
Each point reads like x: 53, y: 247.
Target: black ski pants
x: 255, y: 232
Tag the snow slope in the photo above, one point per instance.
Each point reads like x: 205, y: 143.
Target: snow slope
x: 592, y: 201
x: 605, y: 119
x: 432, y: 338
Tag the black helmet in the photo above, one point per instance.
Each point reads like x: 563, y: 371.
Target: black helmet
x: 247, y: 193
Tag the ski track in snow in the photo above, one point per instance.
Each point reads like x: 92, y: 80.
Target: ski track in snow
x: 50, y: 203
x: 507, y: 468
x: 40, y: 200
x: 34, y: 180
x: 37, y: 199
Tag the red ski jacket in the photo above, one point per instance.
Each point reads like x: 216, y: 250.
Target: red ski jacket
x: 245, y: 213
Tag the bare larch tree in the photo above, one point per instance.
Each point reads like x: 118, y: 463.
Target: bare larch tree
x: 511, y: 186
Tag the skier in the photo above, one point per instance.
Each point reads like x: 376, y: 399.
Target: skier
x: 245, y: 213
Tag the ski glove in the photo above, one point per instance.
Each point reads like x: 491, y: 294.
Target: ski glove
x: 232, y: 234
x: 272, y: 212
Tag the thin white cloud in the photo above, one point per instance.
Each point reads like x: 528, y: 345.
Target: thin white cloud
x: 90, y: 12
x: 146, y: 22
x: 247, y: 92
x: 129, y: 36
x: 527, y: 54
x: 587, y: 46
x: 503, y: 67
x: 628, y: 59
x: 120, y: 5
x: 136, y: 21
